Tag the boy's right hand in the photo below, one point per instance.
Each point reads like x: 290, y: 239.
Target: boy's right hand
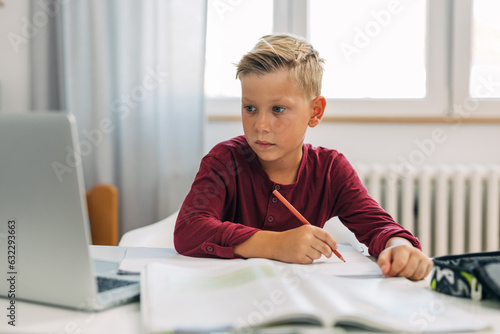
x: 303, y: 244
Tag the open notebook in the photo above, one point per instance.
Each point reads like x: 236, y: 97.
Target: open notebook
x: 259, y: 293
x: 357, y: 264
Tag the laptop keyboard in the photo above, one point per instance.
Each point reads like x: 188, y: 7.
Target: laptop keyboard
x: 107, y: 283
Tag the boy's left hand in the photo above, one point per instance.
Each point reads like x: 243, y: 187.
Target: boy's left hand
x: 401, y: 259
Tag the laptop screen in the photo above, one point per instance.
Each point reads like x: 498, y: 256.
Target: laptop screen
x: 43, y: 209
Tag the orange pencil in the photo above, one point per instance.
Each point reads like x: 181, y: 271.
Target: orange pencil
x: 298, y: 215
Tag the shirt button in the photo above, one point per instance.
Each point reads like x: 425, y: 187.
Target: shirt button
x: 274, y: 200
x: 270, y: 219
x: 210, y: 249
x: 277, y: 187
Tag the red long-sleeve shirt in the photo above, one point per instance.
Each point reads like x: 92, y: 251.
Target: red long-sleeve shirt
x: 231, y: 199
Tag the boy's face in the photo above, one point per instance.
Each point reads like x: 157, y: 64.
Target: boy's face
x: 275, y: 116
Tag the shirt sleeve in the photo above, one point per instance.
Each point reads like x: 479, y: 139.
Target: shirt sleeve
x: 200, y: 229
x: 360, y: 213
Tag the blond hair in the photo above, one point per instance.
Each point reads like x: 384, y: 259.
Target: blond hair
x: 284, y: 51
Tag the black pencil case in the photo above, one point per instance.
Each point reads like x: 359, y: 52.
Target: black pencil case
x: 472, y: 275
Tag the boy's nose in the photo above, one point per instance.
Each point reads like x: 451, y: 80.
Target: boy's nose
x: 263, y: 122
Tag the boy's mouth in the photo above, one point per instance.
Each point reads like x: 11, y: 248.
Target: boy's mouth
x: 262, y: 144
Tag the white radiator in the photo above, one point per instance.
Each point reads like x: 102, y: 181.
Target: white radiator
x: 451, y: 209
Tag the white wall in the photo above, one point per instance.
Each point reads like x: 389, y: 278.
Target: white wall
x: 14, y: 60
x: 388, y: 143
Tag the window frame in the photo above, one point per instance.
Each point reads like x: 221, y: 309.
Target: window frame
x: 463, y: 106
x: 448, y: 63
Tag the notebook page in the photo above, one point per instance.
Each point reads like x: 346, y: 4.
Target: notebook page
x: 250, y: 294
x: 357, y: 264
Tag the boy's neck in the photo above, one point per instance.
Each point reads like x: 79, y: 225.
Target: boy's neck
x: 283, y: 178
x: 282, y: 172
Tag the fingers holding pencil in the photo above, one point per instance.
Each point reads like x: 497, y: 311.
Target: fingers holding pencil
x: 328, y: 241
x: 304, y: 221
x: 303, y: 244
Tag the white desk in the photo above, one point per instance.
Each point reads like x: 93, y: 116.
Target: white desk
x: 35, y: 318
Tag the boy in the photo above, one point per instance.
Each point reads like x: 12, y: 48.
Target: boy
x: 230, y: 210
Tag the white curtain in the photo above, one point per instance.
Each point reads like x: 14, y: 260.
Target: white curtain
x: 131, y: 71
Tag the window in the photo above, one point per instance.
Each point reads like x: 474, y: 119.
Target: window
x: 485, y: 50
x: 384, y: 58
x: 475, y: 74
x: 373, y: 48
x: 233, y: 28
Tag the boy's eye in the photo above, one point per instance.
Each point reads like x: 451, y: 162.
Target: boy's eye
x: 279, y: 109
x: 249, y: 108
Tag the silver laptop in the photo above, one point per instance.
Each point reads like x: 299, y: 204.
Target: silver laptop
x: 44, y: 227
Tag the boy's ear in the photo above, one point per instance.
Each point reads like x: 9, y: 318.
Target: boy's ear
x: 318, y: 105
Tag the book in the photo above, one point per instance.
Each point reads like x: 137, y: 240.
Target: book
x: 260, y: 293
